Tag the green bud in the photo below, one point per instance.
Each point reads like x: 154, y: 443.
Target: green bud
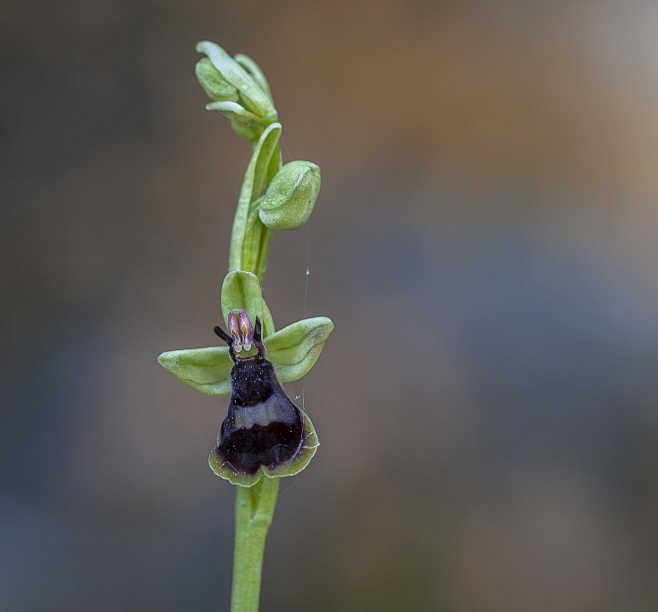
x: 243, y: 122
x: 290, y: 197
x: 253, y: 69
x: 213, y: 83
x: 252, y: 96
x: 288, y: 468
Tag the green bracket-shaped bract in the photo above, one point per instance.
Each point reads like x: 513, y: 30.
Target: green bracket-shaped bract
x: 246, y: 238
x: 292, y: 350
x: 289, y: 468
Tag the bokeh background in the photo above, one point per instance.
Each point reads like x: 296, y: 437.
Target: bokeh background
x: 485, y: 241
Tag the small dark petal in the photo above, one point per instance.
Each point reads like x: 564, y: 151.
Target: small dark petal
x: 223, y: 335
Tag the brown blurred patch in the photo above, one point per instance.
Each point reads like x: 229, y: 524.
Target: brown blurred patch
x: 480, y: 90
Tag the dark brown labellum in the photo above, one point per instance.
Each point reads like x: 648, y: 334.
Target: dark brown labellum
x: 262, y: 427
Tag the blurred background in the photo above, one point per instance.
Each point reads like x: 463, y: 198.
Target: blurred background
x: 485, y: 241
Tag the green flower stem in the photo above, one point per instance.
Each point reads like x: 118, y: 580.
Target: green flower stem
x: 272, y: 197
x: 254, y: 507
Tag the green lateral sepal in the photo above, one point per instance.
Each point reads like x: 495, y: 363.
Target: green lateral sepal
x: 292, y: 351
x: 207, y: 370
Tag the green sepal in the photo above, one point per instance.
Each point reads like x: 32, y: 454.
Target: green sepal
x: 213, y: 83
x: 289, y: 468
x: 292, y: 351
x: 207, y: 370
x: 255, y: 176
x: 241, y: 291
x: 255, y: 99
x: 290, y: 197
x: 254, y: 70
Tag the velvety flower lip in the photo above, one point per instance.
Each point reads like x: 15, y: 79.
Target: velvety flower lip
x: 295, y: 465
x: 264, y: 433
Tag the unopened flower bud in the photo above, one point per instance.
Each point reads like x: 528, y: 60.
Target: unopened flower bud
x: 241, y: 93
x: 290, y: 197
x: 214, y: 83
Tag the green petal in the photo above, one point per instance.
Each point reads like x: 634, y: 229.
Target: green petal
x: 205, y: 369
x: 290, y: 468
x: 294, y: 349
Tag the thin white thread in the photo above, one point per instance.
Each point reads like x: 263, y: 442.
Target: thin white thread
x: 290, y: 482
x: 307, y: 280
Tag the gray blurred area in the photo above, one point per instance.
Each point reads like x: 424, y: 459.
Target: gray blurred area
x: 485, y: 241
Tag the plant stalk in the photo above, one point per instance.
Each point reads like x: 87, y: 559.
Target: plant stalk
x: 254, y: 507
